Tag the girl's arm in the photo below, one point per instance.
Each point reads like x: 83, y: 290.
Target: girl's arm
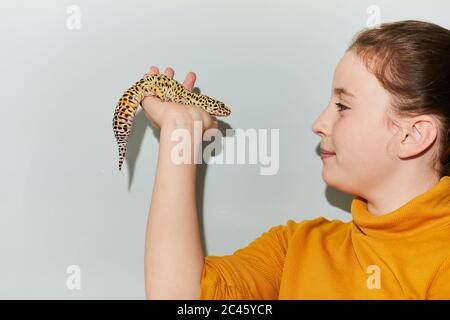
x: 174, y: 259
x: 173, y: 252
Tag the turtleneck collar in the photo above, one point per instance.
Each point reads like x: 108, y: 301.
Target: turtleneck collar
x: 428, y: 210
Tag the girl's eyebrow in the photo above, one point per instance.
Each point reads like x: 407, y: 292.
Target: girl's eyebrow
x: 343, y: 91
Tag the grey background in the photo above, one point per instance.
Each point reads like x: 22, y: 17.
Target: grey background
x: 64, y: 202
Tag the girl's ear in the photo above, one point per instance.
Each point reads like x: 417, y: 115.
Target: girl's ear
x: 417, y: 135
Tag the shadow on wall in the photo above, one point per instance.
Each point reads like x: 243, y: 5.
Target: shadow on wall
x: 336, y: 197
x: 140, y: 125
x: 339, y: 199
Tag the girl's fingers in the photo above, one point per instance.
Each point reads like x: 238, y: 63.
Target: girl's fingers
x: 169, y: 72
x: 154, y: 70
x: 189, y: 81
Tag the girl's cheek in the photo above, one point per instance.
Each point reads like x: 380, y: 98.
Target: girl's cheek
x: 339, y: 130
x: 344, y: 136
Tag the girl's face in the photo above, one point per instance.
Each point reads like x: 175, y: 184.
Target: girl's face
x: 356, y: 130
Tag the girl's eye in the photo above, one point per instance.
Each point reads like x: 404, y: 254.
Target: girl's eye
x: 341, y: 107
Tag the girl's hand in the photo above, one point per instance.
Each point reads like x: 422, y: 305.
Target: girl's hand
x: 162, y: 113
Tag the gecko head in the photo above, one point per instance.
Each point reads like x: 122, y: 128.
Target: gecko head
x: 224, y: 110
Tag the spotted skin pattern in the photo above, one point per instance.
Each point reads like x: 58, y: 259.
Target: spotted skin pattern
x: 164, y: 88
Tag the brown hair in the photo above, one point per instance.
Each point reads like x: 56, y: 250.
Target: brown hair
x: 411, y: 59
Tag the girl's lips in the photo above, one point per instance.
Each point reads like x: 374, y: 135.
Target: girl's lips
x: 323, y: 151
x: 326, y: 155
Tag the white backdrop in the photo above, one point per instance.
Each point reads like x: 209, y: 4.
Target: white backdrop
x: 63, y: 201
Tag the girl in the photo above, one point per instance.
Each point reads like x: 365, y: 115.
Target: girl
x: 384, y: 139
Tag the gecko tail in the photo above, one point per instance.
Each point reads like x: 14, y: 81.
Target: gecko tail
x: 122, y: 151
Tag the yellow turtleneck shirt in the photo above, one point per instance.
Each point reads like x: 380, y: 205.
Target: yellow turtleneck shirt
x: 404, y: 254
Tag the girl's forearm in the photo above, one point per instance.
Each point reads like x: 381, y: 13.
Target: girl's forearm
x: 173, y: 259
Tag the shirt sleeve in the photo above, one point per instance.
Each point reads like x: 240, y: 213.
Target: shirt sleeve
x: 440, y: 286
x: 250, y: 273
